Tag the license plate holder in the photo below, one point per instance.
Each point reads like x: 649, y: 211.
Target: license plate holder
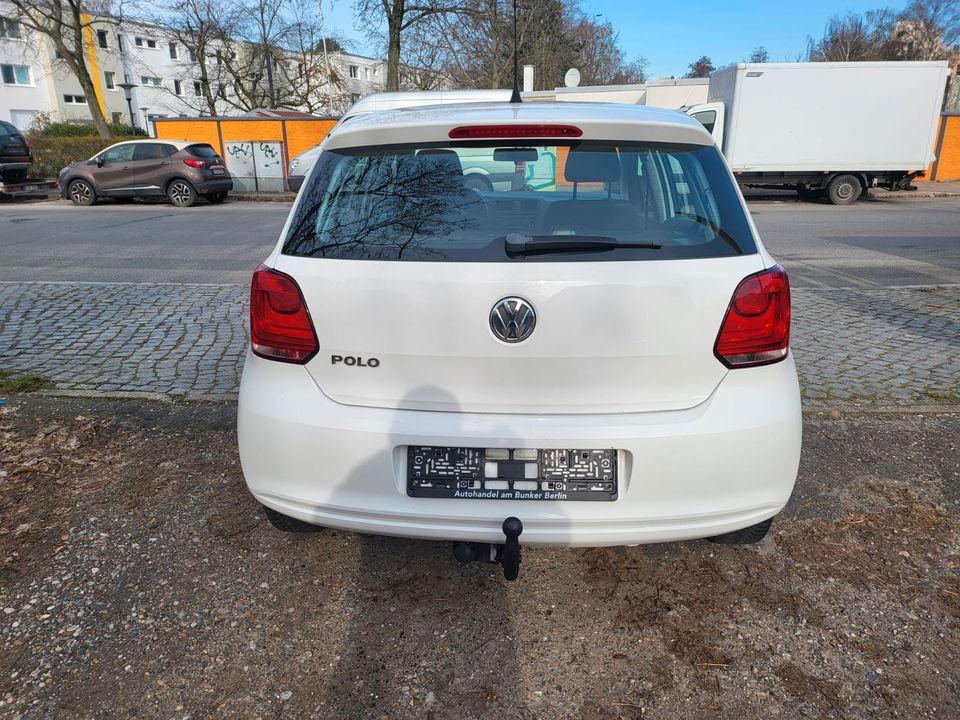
x: 511, y: 474
x: 217, y: 170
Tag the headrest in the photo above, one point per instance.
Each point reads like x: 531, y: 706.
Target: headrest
x: 441, y: 160
x: 592, y: 166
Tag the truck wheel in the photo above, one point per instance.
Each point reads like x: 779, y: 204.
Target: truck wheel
x: 478, y: 183
x: 844, y: 189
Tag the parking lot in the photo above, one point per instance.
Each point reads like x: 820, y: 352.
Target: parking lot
x: 140, y: 579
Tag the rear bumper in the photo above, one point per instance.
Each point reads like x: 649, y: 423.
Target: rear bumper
x: 15, y: 163
x: 214, y: 185
x: 726, y: 464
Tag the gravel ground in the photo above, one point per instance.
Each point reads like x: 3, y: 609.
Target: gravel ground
x: 139, y: 579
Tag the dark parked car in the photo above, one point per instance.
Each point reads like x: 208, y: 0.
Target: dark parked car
x: 182, y: 171
x: 15, y: 158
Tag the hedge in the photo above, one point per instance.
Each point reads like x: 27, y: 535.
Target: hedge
x: 51, y: 154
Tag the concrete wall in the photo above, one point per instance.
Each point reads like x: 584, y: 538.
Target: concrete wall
x: 675, y: 94
x: 292, y: 137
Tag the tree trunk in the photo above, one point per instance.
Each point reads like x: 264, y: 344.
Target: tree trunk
x: 394, y: 23
x: 96, y: 114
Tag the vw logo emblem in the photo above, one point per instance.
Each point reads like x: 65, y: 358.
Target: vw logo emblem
x: 512, y: 320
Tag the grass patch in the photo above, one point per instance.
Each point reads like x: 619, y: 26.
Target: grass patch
x: 21, y: 383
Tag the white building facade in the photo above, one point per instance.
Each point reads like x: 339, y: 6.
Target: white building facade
x: 25, y: 86
x: 163, y: 76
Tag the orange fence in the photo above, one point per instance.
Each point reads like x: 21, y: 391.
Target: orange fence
x: 947, y: 151
x: 293, y: 136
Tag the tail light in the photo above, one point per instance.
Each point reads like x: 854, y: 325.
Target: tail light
x: 473, y: 132
x: 756, y: 328
x: 280, y: 326
x: 194, y: 163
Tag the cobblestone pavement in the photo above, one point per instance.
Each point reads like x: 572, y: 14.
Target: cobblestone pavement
x: 884, y: 346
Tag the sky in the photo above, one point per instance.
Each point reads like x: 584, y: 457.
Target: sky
x: 673, y: 33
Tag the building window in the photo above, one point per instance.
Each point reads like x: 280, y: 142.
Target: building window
x: 138, y: 41
x: 108, y: 80
x: 366, y: 73
x: 120, y: 42
x: 177, y: 87
x: 197, y: 89
x: 193, y: 55
x: 10, y: 29
x: 147, y: 80
x: 354, y: 71
x: 15, y: 74
x: 354, y: 97
x: 75, y: 99
x: 102, y: 38
x: 173, y: 52
x: 152, y: 44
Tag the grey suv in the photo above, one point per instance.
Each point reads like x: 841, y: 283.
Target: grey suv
x: 182, y: 171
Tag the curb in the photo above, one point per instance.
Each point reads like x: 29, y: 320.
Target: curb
x: 278, y: 197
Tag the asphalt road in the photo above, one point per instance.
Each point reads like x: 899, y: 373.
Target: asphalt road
x: 881, y: 242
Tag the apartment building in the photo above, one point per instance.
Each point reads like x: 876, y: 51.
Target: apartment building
x: 25, y: 87
x: 163, y: 76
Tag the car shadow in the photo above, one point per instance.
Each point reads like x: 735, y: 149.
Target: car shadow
x: 415, y: 614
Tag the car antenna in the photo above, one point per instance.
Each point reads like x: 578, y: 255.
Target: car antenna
x: 515, y: 98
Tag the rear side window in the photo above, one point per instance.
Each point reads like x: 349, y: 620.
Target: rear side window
x: 475, y: 202
x: 202, y: 151
x: 153, y: 151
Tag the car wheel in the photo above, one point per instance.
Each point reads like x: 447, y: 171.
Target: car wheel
x: 287, y: 523
x: 215, y: 198
x: 181, y: 193
x: 478, y: 183
x: 82, y: 193
x: 746, y: 536
x: 844, y: 190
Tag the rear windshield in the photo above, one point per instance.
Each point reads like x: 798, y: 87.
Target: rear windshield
x: 202, y: 151
x: 470, y: 202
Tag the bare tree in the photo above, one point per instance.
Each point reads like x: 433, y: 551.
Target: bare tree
x: 924, y: 30
x: 65, y: 23
x: 199, y: 25
x: 399, y: 16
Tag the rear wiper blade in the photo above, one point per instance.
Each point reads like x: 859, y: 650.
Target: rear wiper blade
x: 717, y: 230
x: 516, y: 244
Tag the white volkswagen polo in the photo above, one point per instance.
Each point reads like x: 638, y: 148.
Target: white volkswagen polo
x: 594, y: 353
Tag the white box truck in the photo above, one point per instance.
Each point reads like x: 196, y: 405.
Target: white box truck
x: 830, y: 129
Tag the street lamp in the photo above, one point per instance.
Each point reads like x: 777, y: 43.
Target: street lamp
x: 128, y: 94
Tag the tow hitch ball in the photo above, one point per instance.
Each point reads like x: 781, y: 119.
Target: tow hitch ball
x: 507, y: 555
